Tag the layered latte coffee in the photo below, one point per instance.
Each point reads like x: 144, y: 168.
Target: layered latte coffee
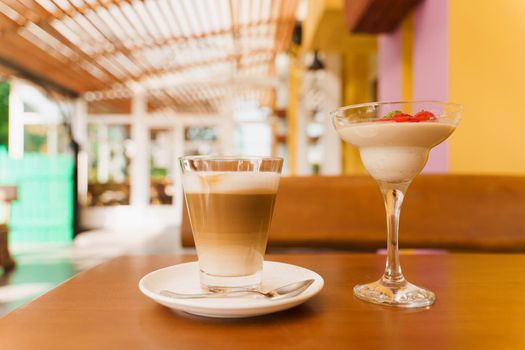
x: 230, y: 214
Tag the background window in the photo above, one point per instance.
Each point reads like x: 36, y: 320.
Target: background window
x: 110, y: 151
x: 200, y: 140
x: 161, y: 166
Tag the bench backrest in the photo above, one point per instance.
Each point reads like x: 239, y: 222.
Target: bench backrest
x: 440, y: 211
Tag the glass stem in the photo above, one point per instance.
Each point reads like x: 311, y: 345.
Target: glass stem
x: 393, y: 195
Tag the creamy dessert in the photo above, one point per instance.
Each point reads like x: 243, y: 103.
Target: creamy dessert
x: 396, y: 150
x: 230, y: 214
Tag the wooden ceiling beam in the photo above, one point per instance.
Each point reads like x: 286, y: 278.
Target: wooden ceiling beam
x: 9, y: 69
x: 106, y: 34
x: 285, y: 27
x: 252, y: 82
x: 27, y: 14
x: 171, y: 40
x: 5, y: 22
x: 234, y: 14
x: 31, y: 47
x: 60, y: 13
x: 81, y: 54
x: 106, y: 4
x: 47, y: 27
x: 164, y: 70
x: 376, y: 16
x: 39, y: 63
x: 113, y: 106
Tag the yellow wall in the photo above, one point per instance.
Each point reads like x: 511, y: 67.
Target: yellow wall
x: 487, y: 75
x: 407, y: 62
x: 294, y: 82
x: 356, y: 89
x: 325, y: 29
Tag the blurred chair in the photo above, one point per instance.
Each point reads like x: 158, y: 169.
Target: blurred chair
x: 7, y: 195
x: 456, y: 212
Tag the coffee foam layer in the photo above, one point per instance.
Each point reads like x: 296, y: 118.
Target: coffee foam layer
x: 230, y: 182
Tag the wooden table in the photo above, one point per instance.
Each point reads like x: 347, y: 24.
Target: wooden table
x: 480, y: 305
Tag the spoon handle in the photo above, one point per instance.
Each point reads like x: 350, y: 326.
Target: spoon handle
x: 171, y: 294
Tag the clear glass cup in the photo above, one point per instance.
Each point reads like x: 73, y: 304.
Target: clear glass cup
x: 230, y: 203
x: 394, y: 151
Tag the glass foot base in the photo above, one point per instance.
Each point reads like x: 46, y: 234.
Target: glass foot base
x: 212, y: 283
x: 402, y: 294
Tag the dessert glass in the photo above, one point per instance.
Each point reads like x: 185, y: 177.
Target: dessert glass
x: 394, y: 151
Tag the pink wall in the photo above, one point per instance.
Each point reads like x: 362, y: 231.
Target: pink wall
x: 430, y: 66
x: 389, y: 67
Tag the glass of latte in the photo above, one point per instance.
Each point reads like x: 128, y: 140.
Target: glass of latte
x: 230, y: 204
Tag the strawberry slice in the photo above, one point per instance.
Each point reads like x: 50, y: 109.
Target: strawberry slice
x: 390, y: 114
x: 425, y: 116
x: 402, y: 117
x: 388, y: 117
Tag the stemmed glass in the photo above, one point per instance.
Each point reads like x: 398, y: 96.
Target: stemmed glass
x: 394, y: 140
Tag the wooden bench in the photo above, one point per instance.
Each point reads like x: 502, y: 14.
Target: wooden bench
x: 456, y: 212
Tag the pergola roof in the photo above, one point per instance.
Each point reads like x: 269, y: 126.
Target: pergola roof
x: 168, y: 47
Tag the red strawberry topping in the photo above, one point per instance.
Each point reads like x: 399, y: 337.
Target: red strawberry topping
x: 425, y: 116
x: 400, y: 117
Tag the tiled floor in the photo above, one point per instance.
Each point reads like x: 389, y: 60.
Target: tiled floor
x: 41, y: 268
x: 36, y: 273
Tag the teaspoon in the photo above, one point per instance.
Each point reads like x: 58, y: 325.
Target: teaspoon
x: 286, y: 291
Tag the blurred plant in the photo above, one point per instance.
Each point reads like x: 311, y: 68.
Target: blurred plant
x: 4, y: 112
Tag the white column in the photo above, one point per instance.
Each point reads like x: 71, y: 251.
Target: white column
x: 103, y: 156
x: 52, y: 139
x: 332, y: 91
x: 178, y: 147
x: 79, y: 123
x: 140, y: 161
x: 16, y: 122
x: 227, y: 123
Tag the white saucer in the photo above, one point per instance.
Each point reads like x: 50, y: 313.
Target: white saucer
x: 184, y: 278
